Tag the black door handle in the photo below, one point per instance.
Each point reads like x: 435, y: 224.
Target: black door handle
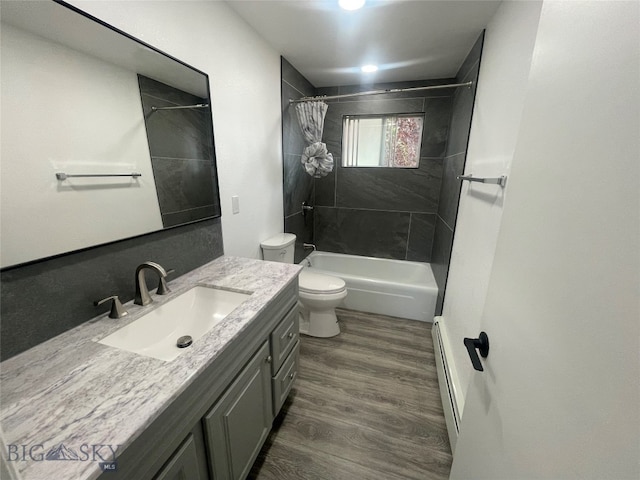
x: 482, y: 344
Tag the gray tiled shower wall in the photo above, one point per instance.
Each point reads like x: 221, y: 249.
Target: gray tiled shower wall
x: 454, y: 161
x: 383, y: 212
x: 387, y: 213
x: 182, y: 153
x: 298, y: 186
x: 380, y: 212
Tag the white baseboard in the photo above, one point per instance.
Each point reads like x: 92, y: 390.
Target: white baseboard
x: 446, y: 382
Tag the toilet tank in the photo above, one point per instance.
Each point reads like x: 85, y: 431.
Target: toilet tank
x: 279, y: 248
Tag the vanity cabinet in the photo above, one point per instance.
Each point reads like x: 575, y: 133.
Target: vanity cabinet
x: 240, y: 421
x: 217, y: 426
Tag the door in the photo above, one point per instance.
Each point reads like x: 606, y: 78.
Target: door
x: 559, y: 396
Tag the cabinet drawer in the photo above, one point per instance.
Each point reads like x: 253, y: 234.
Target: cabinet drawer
x: 283, y: 381
x: 283, y: 338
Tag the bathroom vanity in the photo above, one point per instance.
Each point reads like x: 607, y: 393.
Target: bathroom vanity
x: 74, y: 408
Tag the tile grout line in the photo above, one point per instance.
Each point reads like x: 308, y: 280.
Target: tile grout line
x: 293, y: 87
x: 406, y: 250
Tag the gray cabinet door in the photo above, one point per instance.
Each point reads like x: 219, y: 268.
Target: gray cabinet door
x: 238, y: 424
x: 183, y: 465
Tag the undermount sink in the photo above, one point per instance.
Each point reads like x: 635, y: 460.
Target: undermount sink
x: 190, y: 314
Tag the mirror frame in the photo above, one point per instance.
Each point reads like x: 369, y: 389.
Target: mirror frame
x: 218, y: 212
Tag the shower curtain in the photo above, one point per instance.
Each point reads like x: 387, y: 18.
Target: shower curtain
x: 316, y: 159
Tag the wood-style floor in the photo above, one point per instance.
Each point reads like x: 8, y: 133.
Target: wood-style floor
x: 366, y: 405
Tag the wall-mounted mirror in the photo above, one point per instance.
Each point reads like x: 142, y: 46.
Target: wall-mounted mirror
x: 82, y: 98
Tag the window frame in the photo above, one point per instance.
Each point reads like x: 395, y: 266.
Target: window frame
x: 382, y: 116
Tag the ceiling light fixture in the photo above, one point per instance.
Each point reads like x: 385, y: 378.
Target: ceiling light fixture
x: 369, y: 68
x: 351, y: 4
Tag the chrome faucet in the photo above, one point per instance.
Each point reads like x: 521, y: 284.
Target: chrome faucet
x: 142, y: 292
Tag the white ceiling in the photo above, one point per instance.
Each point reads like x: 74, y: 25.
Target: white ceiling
x: 64, y: 26
x: 408, y: 39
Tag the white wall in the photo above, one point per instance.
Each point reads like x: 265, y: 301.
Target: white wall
x: 560, y: 394
x: 504, y: 70
x: 97, y: 127
x: 244, y: 73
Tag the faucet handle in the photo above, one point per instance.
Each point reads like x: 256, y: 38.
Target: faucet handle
x: 117, y: 310
x: 163, y: 288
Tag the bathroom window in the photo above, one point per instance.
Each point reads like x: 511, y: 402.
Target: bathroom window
x: 381, y: 140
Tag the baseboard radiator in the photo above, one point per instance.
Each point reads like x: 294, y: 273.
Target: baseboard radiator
x: 447, y: 392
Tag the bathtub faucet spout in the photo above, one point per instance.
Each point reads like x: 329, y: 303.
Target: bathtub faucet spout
x: 308, y: 245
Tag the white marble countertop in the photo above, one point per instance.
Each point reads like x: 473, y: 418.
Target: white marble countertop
x: 71, y: 390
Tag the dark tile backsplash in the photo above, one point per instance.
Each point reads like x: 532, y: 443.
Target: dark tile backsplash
x: 48, y: 297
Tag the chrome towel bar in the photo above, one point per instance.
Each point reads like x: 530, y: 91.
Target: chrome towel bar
x: 181, y: 107
x: 64, y: 176
x: 502, y: 180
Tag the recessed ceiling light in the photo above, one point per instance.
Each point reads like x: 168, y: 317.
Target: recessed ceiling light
x: 369, y: 68
x: 351, y: 4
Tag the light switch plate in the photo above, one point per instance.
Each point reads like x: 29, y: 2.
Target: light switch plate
x: 235, y: 204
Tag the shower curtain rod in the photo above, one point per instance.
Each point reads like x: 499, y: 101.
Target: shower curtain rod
x: 378, y: 92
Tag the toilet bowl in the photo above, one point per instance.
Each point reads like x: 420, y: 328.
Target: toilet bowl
x: 319, y: 294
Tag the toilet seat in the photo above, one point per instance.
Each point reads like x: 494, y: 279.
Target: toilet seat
x: 317, y: 283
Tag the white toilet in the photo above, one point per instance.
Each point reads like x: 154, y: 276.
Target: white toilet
x: 319, y: 294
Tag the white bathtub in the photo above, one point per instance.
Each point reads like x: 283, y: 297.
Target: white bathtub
x: 378, y: 285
